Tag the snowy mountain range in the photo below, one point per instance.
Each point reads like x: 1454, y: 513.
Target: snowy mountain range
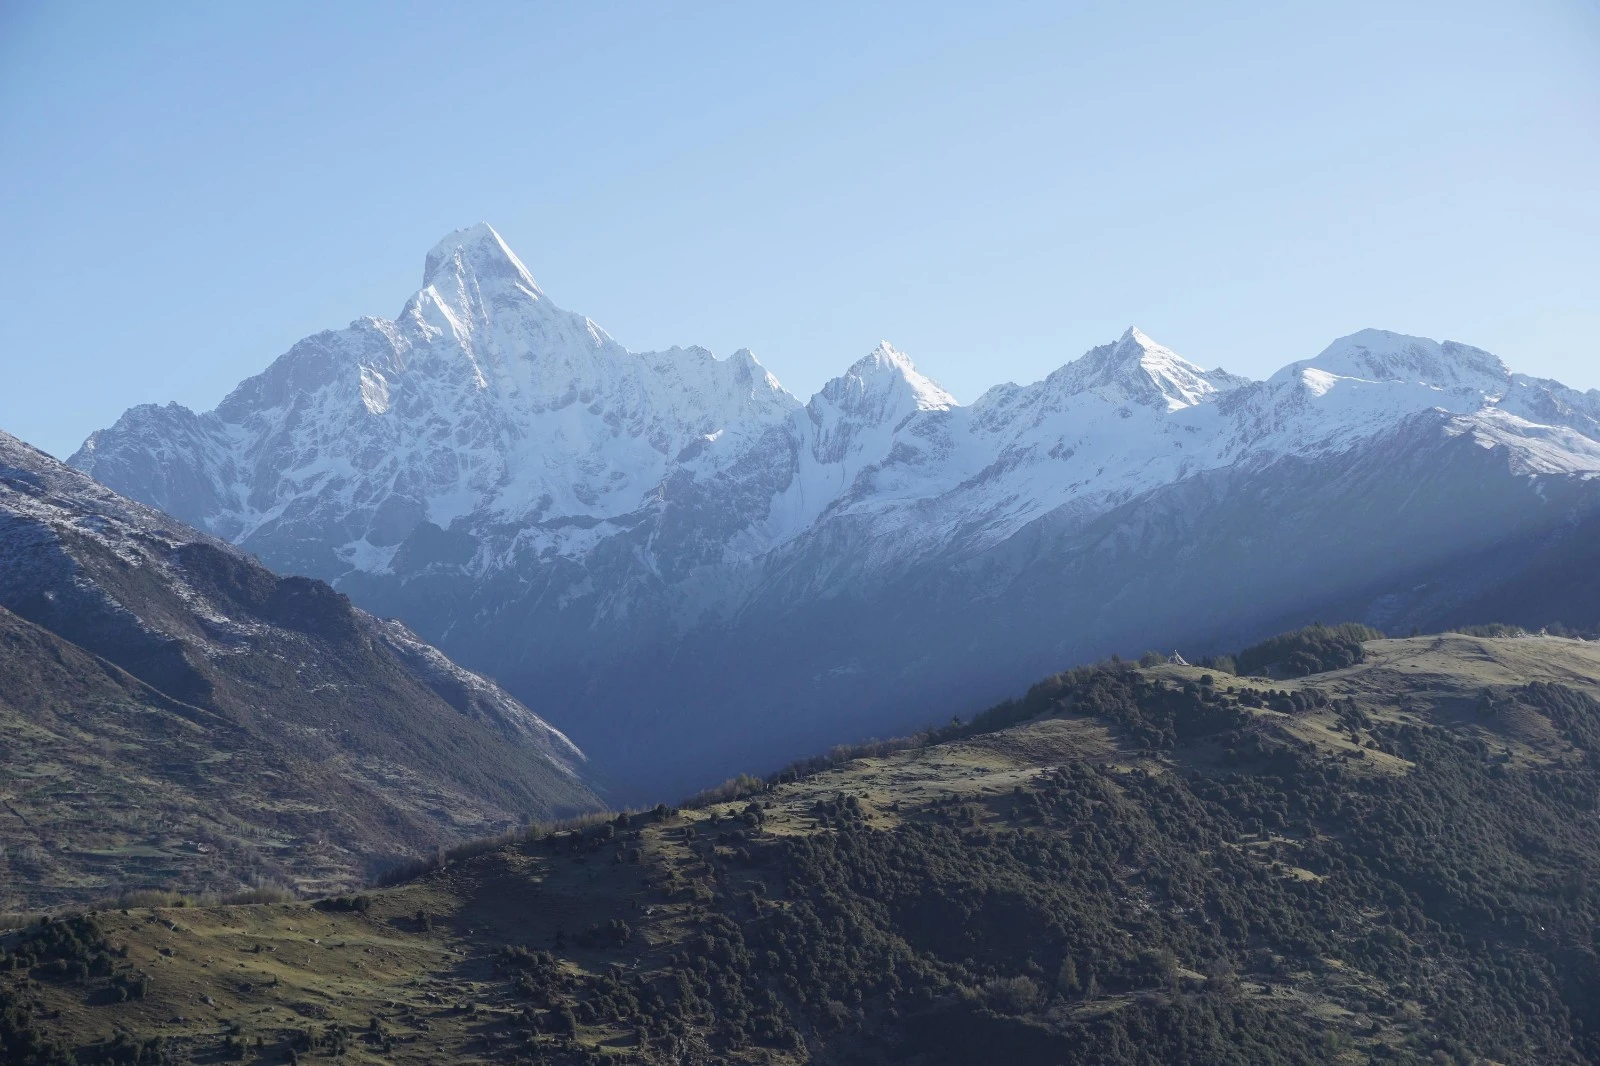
x: 693, y: 571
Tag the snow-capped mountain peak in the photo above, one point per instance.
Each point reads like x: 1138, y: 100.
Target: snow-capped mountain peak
x: 483, y: 403
x: 477, y: 250
x: 1135, y: 369
x: 858, y: 413
x: 884, y: 379
x: 474, y: 284
x: 1379, y: 355
x: 518, y: 485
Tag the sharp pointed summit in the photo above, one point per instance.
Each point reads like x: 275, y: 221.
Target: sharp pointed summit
x: 883, y: 378
x: 478, y: 249
x: 572, y: 516
x: 1136, y: 369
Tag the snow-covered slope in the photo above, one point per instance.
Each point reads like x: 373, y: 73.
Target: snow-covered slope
x: 538, y: 499
x: 481, y: 398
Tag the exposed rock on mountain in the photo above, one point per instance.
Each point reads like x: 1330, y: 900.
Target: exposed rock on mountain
x: 691, y: 569
x: 174, y: 713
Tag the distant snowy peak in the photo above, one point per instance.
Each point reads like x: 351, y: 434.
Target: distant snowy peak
x: 1379, y: 355
x: 481, y: 397
x: 476, y: 251
x: 478, y: 293
x: 1547, y: 402
x: 527, y: 433
x: 883, y: 383
x: 1135, y: 369
x: 757, y: 378
x: 571, y: 514
x: 858, y: 413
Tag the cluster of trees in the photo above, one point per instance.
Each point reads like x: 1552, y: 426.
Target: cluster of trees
x: 68, y: 950
x: 125, y: 1050
x: 1481, y: 871
x: 1491, y: 629
x: 345, y: 904
x: 707, y: 991
x: 1315, y: 649
x: 1183, y: 909
x: 1451, y: 909
x: 22, y: 1042
x: 73, y: 949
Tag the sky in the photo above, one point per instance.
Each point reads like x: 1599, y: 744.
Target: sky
x: 188, y: 189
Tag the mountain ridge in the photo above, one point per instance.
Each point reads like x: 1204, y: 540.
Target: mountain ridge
x: 1385, y: 852
x: 486, y: 450
x: 158, y: 686
x: 483, y: 282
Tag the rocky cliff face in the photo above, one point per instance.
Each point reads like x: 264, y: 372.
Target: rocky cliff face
x: 695, y: 572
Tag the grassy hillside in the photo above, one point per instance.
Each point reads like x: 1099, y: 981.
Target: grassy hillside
x: 1395, y: 861
x: 174, y: 715
x: 108, y: 785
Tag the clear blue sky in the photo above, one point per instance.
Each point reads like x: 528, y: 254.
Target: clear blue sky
x: 185, y: 190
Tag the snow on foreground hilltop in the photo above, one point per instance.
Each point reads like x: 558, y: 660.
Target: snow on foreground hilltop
x: 483, y: 407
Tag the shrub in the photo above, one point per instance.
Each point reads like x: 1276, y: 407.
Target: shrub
x: 351, y: 904
x: 1492, y: 629
x: 1013, y: 995
x: 259, y: 895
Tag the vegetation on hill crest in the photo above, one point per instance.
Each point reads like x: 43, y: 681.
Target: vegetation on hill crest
x: 1123, y: 866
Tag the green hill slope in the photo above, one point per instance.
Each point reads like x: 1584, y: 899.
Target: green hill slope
x: 1396, y: 861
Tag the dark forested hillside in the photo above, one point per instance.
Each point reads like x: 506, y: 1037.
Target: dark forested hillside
x: 1395, y: 861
